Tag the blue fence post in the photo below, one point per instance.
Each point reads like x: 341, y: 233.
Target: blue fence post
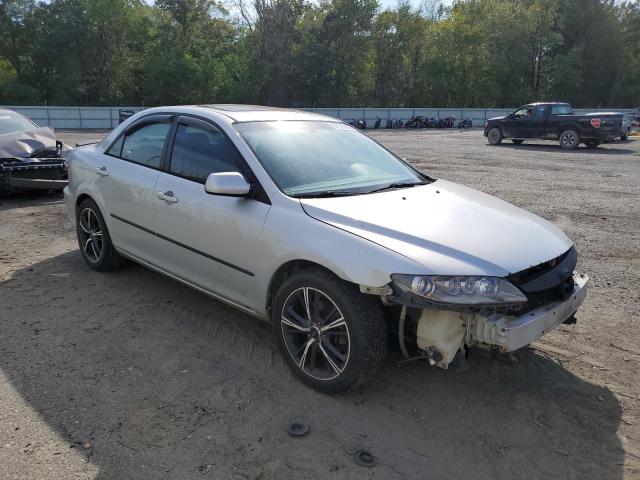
x: 80, y: 117
x: 46, y: 109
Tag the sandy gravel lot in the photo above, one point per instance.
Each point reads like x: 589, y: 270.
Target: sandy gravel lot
x: 129, y: 375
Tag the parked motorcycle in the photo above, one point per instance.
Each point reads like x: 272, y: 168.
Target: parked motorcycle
x: 416, y: 122
x: 389, y: 123
x: 378, y: 122
x: 465, y: 123
x: 449, y: 122
x: 398, y: 124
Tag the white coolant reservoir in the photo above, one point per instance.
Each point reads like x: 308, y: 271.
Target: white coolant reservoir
x: 443, y: 331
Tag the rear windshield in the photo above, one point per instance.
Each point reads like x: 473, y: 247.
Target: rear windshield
x: 561, y: 110
x: 11, y: 122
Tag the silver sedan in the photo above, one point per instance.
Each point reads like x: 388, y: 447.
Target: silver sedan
x: 303, y: 221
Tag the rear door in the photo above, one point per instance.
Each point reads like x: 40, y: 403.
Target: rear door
x: 212, y: 241
x: 537, y: 122
x: 128, y: 174
x: 559, y: 114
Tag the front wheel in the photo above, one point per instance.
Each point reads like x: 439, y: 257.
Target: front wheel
x: 495, y: 136
x: 332, y: 336
x: 569, y: 140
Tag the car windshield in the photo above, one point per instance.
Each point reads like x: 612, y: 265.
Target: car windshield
x: 12, y: 122
x: 315, y: 158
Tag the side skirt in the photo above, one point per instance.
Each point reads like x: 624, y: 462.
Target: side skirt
x: 199, y: 288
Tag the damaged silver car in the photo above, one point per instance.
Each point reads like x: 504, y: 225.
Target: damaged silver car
x: 306, y: 222
x: 30, y: 156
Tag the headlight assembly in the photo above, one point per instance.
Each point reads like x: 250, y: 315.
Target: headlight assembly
x: 460, y: 290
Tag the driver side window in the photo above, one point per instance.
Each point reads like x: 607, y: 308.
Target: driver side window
x: 199, y: 151
x: 521, y: 113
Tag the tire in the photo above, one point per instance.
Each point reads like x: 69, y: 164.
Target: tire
x: 569, y: 140
x: 495, y: 136
x: 94, y: 240
x: 517, y: 141
x: 592, y: 144
x: 355, y: 348
x: 625, y: 136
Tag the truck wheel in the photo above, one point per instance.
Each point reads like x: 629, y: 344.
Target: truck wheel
x: 94, y: 239
x: 517, y: 141
x: 625, y: 136
x: 592, y: 144
x: 569, y: 140
x: 495, y: 136
x: 332, y: 336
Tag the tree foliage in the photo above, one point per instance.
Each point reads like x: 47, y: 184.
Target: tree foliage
x: 474, y: 53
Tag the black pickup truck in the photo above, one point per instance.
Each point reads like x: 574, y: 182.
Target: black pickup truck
x: 554, y: 121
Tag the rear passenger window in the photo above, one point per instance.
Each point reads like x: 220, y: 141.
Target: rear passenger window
x: 199, y: 151
x: 142, y: 145
x: 561, y: 110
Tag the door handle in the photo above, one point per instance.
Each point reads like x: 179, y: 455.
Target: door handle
x: 167, y: 196
x: 102, y: 171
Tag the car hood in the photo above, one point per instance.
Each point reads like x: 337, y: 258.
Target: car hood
x: 448, y: 228
x: 27, y: 143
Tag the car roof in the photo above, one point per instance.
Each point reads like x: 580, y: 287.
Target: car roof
x: 547, y: 103
x: 252, y: 113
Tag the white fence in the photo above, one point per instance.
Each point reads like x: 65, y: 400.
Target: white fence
x: 108, y: 117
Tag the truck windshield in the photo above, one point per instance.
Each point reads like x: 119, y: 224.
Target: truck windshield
x: 318, y: 158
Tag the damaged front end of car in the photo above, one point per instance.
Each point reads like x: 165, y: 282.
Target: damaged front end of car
x: 440, y: 317
x: 32, y: 160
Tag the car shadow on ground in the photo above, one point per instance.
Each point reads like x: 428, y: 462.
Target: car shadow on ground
x: 29, y: 199
x: 604, y: 149
x: 158, y: 381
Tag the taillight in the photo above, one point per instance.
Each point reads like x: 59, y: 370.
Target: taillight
x: 595, y: 122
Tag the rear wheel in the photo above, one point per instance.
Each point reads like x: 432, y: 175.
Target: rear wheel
x: 569, y: 140
x: 94, y: 239
x: 517, y: 141
x: 332, y: 336
x: 495, y: 136
x: 592, y: 143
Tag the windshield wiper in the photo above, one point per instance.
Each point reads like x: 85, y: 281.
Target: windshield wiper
x: 394, y: 185
x: 327, y: 194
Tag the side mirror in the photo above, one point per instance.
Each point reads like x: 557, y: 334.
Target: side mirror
x: 231, y: 184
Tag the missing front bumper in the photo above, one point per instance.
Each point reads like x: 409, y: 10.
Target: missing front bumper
x: 511, y: 333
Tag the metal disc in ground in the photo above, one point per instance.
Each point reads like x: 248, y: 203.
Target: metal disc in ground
x: 298, y: 429
x: 365, y: 458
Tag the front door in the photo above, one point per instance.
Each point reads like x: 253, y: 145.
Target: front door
x: 520, y: 122
x: 212, y: 241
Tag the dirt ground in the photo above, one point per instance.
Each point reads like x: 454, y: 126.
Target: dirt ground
x: 130, y: 375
